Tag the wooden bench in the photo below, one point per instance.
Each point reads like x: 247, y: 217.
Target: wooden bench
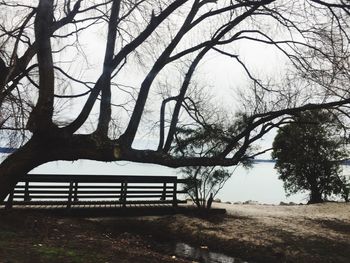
x: 94, y: 190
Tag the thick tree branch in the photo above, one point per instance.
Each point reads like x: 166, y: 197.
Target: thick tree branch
x: 218, y: 36
x: 154, y: 23
x: 41, y: 116
x: 105, y: 106
x: 135, y: 119
x: 161, y: 123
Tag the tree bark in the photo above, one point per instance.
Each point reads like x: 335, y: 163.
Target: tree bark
x: 315, y: 195
x: 42, y: 149
x: 210, y: 201
x: 17, y: 165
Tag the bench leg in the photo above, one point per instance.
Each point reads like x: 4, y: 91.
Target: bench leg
x: 175, y: 195
x: 8, y: 204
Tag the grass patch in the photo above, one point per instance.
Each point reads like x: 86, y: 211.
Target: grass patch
x: 7, y: 234
x: 66, y: 254
x: 54, y: 253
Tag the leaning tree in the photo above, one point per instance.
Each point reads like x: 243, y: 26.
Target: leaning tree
x: 66, y: 96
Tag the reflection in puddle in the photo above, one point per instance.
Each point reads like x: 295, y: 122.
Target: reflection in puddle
x: 203, y: 255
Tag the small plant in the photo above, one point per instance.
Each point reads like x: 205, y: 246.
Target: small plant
x: 203, y: 183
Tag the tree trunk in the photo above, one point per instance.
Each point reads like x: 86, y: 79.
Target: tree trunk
x: 50, y: 147
x: 17, y: 165
x: 210, y: 201
x: 315, y: 196
x: 345, y: 194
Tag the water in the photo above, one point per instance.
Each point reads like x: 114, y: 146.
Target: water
x: 259, y: 183
x: 202, y: 254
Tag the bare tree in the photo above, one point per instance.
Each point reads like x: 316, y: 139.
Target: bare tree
x: 204, y: 183
x: 50, y: 94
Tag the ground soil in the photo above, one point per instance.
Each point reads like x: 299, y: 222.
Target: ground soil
x: 254, y: 233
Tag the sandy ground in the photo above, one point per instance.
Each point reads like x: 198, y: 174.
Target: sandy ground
x: 330, y: 221
x: 340, y: 211
x: 298, y: 233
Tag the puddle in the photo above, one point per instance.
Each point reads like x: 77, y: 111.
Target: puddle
x: 202, y: 254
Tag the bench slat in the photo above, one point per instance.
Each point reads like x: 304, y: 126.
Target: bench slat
x: 89, y: 196
x: 98, y: 178
x: 80, y: 192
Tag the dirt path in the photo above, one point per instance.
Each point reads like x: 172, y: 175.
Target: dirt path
x: 258, y: 233
x: 254, y: 233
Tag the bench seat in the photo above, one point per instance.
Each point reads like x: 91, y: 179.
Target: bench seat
x: 88, y: 190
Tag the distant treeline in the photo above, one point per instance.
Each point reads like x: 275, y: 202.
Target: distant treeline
x: 263, y: 161
x: 11, y: 150
x: 345, y: 162
x: 7, y: 150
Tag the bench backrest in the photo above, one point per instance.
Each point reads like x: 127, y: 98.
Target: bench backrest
x: 50, y: 189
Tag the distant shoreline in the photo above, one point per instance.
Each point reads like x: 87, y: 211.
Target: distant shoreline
x: 263, y: 161
x: 9, y: 150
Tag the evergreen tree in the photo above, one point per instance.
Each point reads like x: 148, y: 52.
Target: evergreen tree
x: 308, y: 154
